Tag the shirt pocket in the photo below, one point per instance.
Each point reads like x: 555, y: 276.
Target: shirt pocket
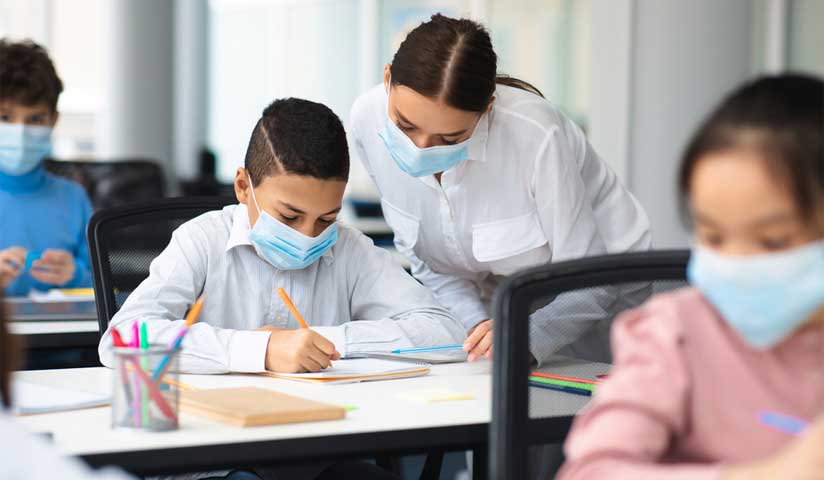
x: 404, y: 225
x: 510, y: 244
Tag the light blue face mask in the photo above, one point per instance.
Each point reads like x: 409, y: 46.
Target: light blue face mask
x: 23, y: 147
x: 284, y: 247
x: 765, y: 298
x: 420, y: 162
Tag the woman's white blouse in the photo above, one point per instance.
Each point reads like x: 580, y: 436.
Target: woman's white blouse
x: 533, y: 191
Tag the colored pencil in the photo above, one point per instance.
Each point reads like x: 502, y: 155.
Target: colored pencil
x: 291, y: 306
x: 428, y: 349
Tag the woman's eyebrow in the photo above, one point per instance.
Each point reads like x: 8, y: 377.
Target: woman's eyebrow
x: 406, y: 121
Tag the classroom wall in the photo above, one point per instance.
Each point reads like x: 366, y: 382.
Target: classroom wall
x: 659, y: 67
x: 136, y: 118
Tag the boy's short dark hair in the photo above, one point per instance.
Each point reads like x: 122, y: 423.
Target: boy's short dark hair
x: 298, y: 137
x: 27, y: 74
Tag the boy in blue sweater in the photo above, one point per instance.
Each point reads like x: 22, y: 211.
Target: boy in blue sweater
x: 43, y: 218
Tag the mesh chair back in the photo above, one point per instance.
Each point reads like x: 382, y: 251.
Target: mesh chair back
x: 113, y: 183
x: 123, y: 241
x: 537, y: 307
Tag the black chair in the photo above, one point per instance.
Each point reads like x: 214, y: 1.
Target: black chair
x: 113, y: 183
x: 123, y: 241
x: 518, y: 418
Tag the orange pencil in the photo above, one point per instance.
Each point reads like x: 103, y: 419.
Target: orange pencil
x: 291, y: 306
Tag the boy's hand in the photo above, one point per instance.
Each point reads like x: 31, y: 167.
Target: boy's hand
x: 297, y: 351
x: 479, y: 342
x: 11, y: 264
x: 55, y: 267
x: 802, y: 459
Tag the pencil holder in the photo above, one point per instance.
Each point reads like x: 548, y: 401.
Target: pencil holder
x: 141, y: 396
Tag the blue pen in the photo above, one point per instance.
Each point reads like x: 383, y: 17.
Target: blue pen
x: 428, y: 349
x: 561, y: 388
x: 784, y: 423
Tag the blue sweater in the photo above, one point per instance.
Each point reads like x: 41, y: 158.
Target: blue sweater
x: 39, y: 211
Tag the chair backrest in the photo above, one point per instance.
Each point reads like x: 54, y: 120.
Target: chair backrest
x: 123, y: 241
x: 115, y: 182
x: 581, y: 283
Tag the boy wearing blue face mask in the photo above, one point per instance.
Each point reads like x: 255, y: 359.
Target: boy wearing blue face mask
x: 724, y: 380
x: 43, y: 217
x: 284, y: 234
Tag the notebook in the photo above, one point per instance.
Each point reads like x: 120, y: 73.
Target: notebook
x: 251, y: 406
x: 359, y: 370
x: 31, y: 399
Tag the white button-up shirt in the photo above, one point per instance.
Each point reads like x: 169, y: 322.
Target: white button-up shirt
x: 533, y: 191
x: 28, y: 455
x: 356, y: 296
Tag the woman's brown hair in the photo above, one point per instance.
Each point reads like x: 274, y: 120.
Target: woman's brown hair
x: 451, y: 59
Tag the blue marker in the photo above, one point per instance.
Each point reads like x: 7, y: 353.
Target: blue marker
x: 31, y: 257
x: 784, y: 423
x: 428, y: 349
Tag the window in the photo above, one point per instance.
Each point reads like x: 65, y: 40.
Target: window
x: 69, y: 30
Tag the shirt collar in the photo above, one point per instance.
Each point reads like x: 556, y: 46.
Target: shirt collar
x: 476, y: 147
x: 239, y: 234
x: 28, y: 182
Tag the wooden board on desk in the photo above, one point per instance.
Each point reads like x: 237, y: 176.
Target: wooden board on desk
x: 251, y: 406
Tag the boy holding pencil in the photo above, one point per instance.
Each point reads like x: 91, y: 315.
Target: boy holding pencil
x: 283, y: 234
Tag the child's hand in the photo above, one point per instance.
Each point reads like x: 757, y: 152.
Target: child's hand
x: 11, y: 264
x: 55, y: 267
x: 802, y: 459
x: 299, y: 350
x: 479, y: 342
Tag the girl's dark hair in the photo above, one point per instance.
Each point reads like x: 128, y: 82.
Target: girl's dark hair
x: 452, y: 60
x: 781, y: 117
x: 8, y: 356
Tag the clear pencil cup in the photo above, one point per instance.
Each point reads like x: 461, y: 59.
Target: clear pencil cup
x: 142, y: 395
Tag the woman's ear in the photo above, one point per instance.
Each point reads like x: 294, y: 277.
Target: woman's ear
x: 242, y: 185
x: 491, y: 102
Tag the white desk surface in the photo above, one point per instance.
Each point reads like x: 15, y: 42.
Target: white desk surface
x: 50, y: 328
x: 87, y: 432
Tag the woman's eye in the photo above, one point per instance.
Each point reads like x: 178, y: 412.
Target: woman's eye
x: 5, y: 118
x: 325, y: 221
x: 448, y: 142
x: 775, y: 243
x: 288, y: 219
x: 405, y: 128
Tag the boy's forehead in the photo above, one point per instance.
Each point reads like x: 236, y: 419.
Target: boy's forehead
x: 24, y: 107
x: 310, y: 194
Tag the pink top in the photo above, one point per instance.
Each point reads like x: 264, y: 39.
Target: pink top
x: 685, y: 393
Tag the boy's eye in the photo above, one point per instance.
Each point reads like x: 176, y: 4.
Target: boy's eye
x: 5, y: 118
x: 288, y: 219
x: 405, y: 128
x: 448, y: 142
x: 325, y: 221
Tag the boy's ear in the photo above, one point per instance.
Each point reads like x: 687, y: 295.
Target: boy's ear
x: 387, y: 77
x: 242, y: 185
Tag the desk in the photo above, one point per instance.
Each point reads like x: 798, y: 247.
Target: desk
x: 383, y: 423
x: 69, y: 328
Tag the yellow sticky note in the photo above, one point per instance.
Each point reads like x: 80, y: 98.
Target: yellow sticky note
x: 428, y: 396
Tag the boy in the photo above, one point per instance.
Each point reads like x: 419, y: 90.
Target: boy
x: 283, y: 234
x: 41, y: 214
